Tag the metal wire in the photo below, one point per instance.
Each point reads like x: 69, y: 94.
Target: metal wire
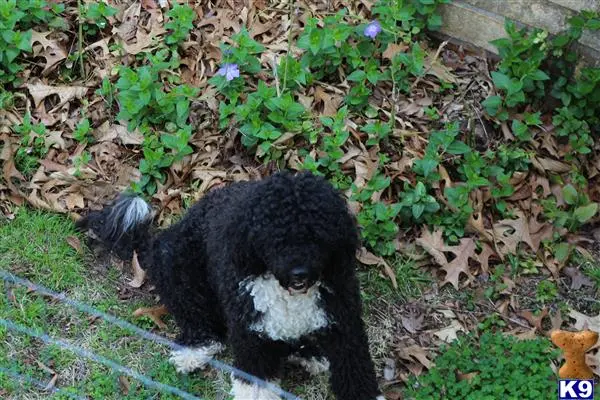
x: 38, y: 383
x: 9, y: 277
x: 97, y: 358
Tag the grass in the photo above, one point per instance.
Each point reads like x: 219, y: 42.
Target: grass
x: 590, y: 267
x: 410, y: 279
x: 35, y: 246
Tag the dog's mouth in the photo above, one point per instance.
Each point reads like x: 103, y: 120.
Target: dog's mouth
x: 296, y: 288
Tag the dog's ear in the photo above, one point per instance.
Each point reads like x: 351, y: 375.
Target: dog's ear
x: 241, y: 247
x: 331, y: 222
x: 343, y: 242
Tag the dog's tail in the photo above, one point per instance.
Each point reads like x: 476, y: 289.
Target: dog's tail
x: 123, y: 226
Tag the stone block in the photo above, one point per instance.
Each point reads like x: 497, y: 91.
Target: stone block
x: 480, y: 21
x: 578, y: 5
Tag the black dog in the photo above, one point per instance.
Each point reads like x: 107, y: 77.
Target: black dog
x: 267, y: 267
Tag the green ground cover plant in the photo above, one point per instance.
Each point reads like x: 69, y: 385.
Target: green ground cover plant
x: 490, y: 366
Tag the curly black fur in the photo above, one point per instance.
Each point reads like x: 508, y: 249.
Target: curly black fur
x: 245, y: 230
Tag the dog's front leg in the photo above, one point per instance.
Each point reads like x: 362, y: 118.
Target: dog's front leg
x: 346, y: 345
x: 259, y: 357
x: 352, y: 371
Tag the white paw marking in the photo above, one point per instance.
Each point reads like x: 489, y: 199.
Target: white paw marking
x: 380, y: 398
x: 285, y: 316
x: 191, y: 359
x: 241, y: 390
x: 313, y: 365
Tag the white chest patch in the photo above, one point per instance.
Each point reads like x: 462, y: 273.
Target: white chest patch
x: 284, y: 316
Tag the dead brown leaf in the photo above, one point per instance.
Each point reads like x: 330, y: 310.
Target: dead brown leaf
x: 466, y: 377
x: 544, y: 164
x: 450, y: 333
x: 534, y: 320
x: 129, y: 22
x: 434, y: 244
x: 412, y: 322
x: 512, y: 232
x: 75, y: 243
x: 436, y: 68
x: 556, y: 320
x: 525, y: 335
x: 51, y: 50
x: 154, y: 313
x: 149, y: 4
x: 139, y: 275
x: 107, y: 132
x: 9, y: 170
x: 147, y: 36
x: 484, y: 256
x: 578, y: 279
x: 55, y: 139
x: 39, y: 91
x: 393, y: 49
x: 368, y: 258
x: 51, y: 383
x: 331, y: 102
x: 414, y: 352
x: 124, y: 385
x: 583, y: 322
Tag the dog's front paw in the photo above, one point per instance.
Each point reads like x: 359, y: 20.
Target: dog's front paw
x: 313, y: 365
x: 241, y: 390
x: 190, y: 359
x: 380, y: 397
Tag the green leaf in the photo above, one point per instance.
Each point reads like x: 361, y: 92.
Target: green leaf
x: 560, y: 40
x: 356, y: 76
x: 492, y: 104
x: 417, y: 210
x: 425, y: 166
x: 570, y: 195
x: 520, y: 130
x: 170, y: 141
x: 577, y: 21
x: 585, y: 213
x: 182, y: 108
x: 501, y: 81
x: 420, y: 189
x: 533, y: 119
x: 539, y: 75
x: 561, y: 251
x: 515, y: 87
x: 458, y: 147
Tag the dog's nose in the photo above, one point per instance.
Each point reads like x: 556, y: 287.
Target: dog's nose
x: 299, y: 274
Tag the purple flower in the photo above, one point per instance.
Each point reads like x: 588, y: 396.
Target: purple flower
x: 372, y: 29
x: 229, y: 71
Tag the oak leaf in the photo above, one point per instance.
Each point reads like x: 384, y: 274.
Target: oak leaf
x: 578, y: 279
x: 583, y: 322
x: 51, y: 50
x: 450, y: 333
x: 415, y: 352
x: 434, y: 244
x: 512, y: 232
x: 40, y: 91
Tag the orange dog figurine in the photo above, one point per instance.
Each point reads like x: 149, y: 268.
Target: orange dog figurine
x: 574, y: 345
